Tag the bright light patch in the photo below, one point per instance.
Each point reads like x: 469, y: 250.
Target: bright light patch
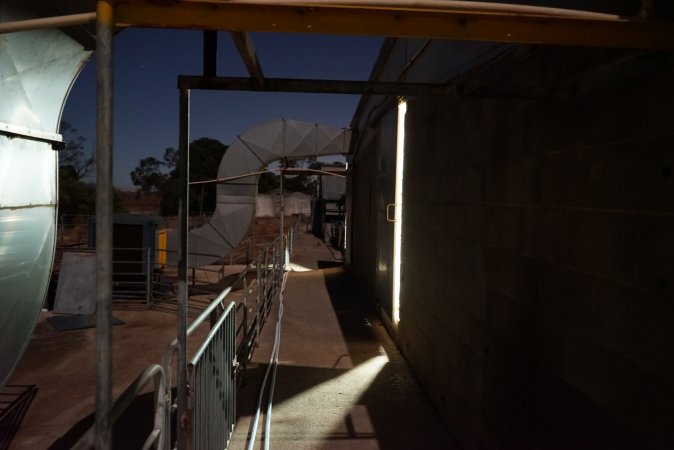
x: 294, y: 267
x: 398, y: 224
x: 338, y: 398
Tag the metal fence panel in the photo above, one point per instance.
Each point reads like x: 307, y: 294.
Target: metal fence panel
x: 213, y: 385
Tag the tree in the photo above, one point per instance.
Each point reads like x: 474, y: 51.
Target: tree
x: 72, y: 155
x: 205, y: 156
x: 267, y: 182
x: 171, y: 156
x: 298, y: 183
x: 77, y: 196
x: 148, y: 175
x: 301, y: 183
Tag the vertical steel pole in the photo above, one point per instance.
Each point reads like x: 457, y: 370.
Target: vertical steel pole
x: 210, y: 54
x: 245, y: 305
x: 284, y: 166
x: 282, y: 201
x: 183, y: 213
x: 104, y: 210
x: 149, y: 265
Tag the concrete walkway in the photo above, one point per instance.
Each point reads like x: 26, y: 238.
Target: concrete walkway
x: 341, y: 382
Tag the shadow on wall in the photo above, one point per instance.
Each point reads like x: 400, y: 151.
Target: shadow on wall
x: 392, y: 408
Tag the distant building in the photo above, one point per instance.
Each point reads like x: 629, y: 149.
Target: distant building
x: 269, y: 204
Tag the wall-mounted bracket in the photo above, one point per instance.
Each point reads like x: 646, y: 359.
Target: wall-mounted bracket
x: 12, y: 131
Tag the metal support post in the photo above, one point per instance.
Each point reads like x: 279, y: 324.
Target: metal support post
x: 245, y: 315
x: 266, y: 281
x: 210, y: 56
x: 104, y: 211
x: 183, y: 213
x: 149, y: 270
x: 282, y: 174
x: 259, y: 300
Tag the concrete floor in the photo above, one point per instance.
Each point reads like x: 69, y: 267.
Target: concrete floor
x: 62, y: 366
x: 341, y: 381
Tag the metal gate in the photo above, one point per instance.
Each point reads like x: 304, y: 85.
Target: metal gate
x: 212, y: 378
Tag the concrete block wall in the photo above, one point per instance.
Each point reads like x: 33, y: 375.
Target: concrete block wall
x: 363, y: 226
x: 537, y: 304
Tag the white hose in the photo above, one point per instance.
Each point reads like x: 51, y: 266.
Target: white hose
x: 273, y: 363
x: 267, y: 429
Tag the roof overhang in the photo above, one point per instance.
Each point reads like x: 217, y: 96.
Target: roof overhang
x: 455, y: 20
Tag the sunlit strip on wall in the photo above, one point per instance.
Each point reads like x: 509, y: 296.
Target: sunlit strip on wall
x: 398, y: 225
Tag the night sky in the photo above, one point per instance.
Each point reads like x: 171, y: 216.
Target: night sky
x: 146, y: 97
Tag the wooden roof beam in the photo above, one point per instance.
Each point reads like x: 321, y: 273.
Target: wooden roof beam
x: 244, y: 44
x: 353, y: 19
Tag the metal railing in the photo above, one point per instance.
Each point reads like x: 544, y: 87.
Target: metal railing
x: 133, y: 277
x: 212, y: 377
x: 268, y: 269
x: 220, y: 361
x: 140, y: 279
x: 169, y: 356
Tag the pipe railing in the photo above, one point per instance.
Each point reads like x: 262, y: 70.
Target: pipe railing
x: 148, y: 285
x: 212, y: 378
x: 128, y: 285
x: 269, y: 273
x: 205, y: 413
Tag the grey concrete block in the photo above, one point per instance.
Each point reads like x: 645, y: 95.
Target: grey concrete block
x: 566, y: 296
x: 504, y: 227
x: 521, y: 182
x: 655, y: 270
x: 76, y: 291
x: 511, y: 319
x: 637, y: 322
x: 570, y: 178
x: 604, y: 243
x: 547, y: 234
x: 512, y: 274
x: 494, y: 188
x: 418, y: 349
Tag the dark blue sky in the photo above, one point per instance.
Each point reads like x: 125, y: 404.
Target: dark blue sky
x: 146, y: 98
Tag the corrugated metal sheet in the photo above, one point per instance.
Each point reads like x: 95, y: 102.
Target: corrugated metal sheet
x: 37, y: 69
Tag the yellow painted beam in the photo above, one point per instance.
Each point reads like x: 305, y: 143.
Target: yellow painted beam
x: 395, y: 22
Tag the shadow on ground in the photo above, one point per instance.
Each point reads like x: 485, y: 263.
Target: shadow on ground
x: 15, y: 401
x: 129, y: 432
x: 374, y: 404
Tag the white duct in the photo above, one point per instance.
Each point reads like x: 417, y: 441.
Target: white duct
x: 37, y: 69
x: 249, y: 153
